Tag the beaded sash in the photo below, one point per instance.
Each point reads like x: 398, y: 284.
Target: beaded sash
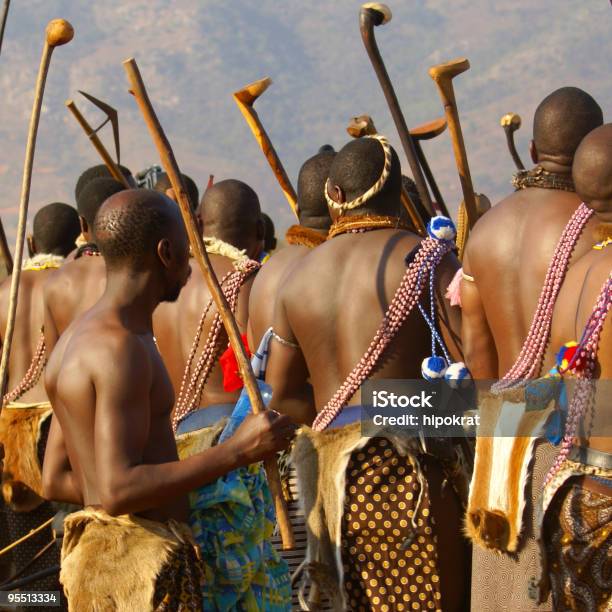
x: 429, y: 255
x: 528, y: 362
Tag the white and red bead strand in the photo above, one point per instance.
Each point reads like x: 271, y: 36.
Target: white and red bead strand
x: 192, y: 384
x: 32, y: 376
x: 405, y: 299
x: 587, y: 355
x: 528, y: 363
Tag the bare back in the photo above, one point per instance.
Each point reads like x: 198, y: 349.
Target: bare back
x: 574, y: 306
x: 99, y: 368
x: 175, y: 326
x: 28, y: 325
x: 266, y: 287
x: 69, y: 292
x: 334, y: 299
x: 508, y: 254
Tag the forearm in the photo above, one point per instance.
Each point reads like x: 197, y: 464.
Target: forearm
x: 147, y: 486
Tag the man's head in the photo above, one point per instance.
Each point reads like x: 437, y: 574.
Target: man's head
x: 55, y: 228
x: 357, y: 167
x: 560, y: 122
x: 269, y: 241
x: 230, y: 211
x: 592, y: 171
x: 91, y: 198
x: 312, y: 205
x: 163, y: 184
x: 100, y: 171
x: 140, y: 231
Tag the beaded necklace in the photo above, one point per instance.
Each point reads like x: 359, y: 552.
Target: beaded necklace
x: 538, y: 177
x: 528, y: 362
x: 430, y: 253
x: 304, y: 236
x: 583, y: 365
x: 192, y: 384
x: 32, y: 376
x: 363, y: 223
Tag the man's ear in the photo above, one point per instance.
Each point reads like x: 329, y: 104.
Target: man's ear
x: 164, y: 252
x: 533, y: 152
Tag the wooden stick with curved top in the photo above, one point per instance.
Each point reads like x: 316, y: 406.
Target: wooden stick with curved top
x: 113, y: 168
x: 245, y: 98
x: 374, y: 14
x: 512, y: 122
x: 58, y: 32
x: 197, y: 244
x: 443, y: 75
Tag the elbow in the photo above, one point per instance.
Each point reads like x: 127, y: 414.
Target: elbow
x: 50, y: 490
x: 113, y: 501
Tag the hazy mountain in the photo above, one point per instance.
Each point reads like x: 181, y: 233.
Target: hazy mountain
x: 194, y: 54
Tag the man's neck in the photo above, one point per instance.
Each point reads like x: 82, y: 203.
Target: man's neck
x: 554, y: 167
x: 135, y: 298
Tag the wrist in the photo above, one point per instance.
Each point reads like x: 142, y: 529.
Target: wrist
x: 236, y: 455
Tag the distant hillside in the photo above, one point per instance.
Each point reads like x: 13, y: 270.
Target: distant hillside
x: 193, y: 54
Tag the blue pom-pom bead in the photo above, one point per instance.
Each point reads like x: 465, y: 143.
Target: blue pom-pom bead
x: 456, y: 373
x: 441, y: 228
x: 433, y: 367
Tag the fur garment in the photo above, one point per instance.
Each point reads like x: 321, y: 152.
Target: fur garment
x: 21, y: 427
x: 502, y: 469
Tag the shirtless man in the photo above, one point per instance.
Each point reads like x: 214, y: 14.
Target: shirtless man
x: 511, y: 246
x: 55, y: 228
x: 231, y: 214
x: 506, y: 261
x: 24, y: 422
x: 329, y: 307
x: 577, y: 524
x: 314, y: 224
x: 113, y: 399
x: 80, y: 283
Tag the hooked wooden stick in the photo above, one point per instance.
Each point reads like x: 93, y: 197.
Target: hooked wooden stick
x: 427, y: 131
x: 363, y: 126
x: 512, y: 122
x: 113, y: 168
x: 374, y: 14
x: 245, y: 98
x: 197, y: 244
x: 443, y: 75
x: 58, y: 32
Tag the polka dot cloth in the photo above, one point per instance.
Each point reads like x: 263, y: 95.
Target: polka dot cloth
x: 387, y: 566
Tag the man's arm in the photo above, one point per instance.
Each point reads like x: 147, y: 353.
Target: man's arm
x: 126, y: 484
x: 58, y: 480
x: 478, y: 342
x: 287, y: 372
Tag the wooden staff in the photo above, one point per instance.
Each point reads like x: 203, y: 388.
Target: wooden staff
x: 113, y: 168
x: 374, y: 14
x: 58, y: 32
x: 197, y: 244
x: 443, y: 75
x: 364, y: 126
x: 245, y: 98
x: 512, y: 122
x: 427, y: 131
